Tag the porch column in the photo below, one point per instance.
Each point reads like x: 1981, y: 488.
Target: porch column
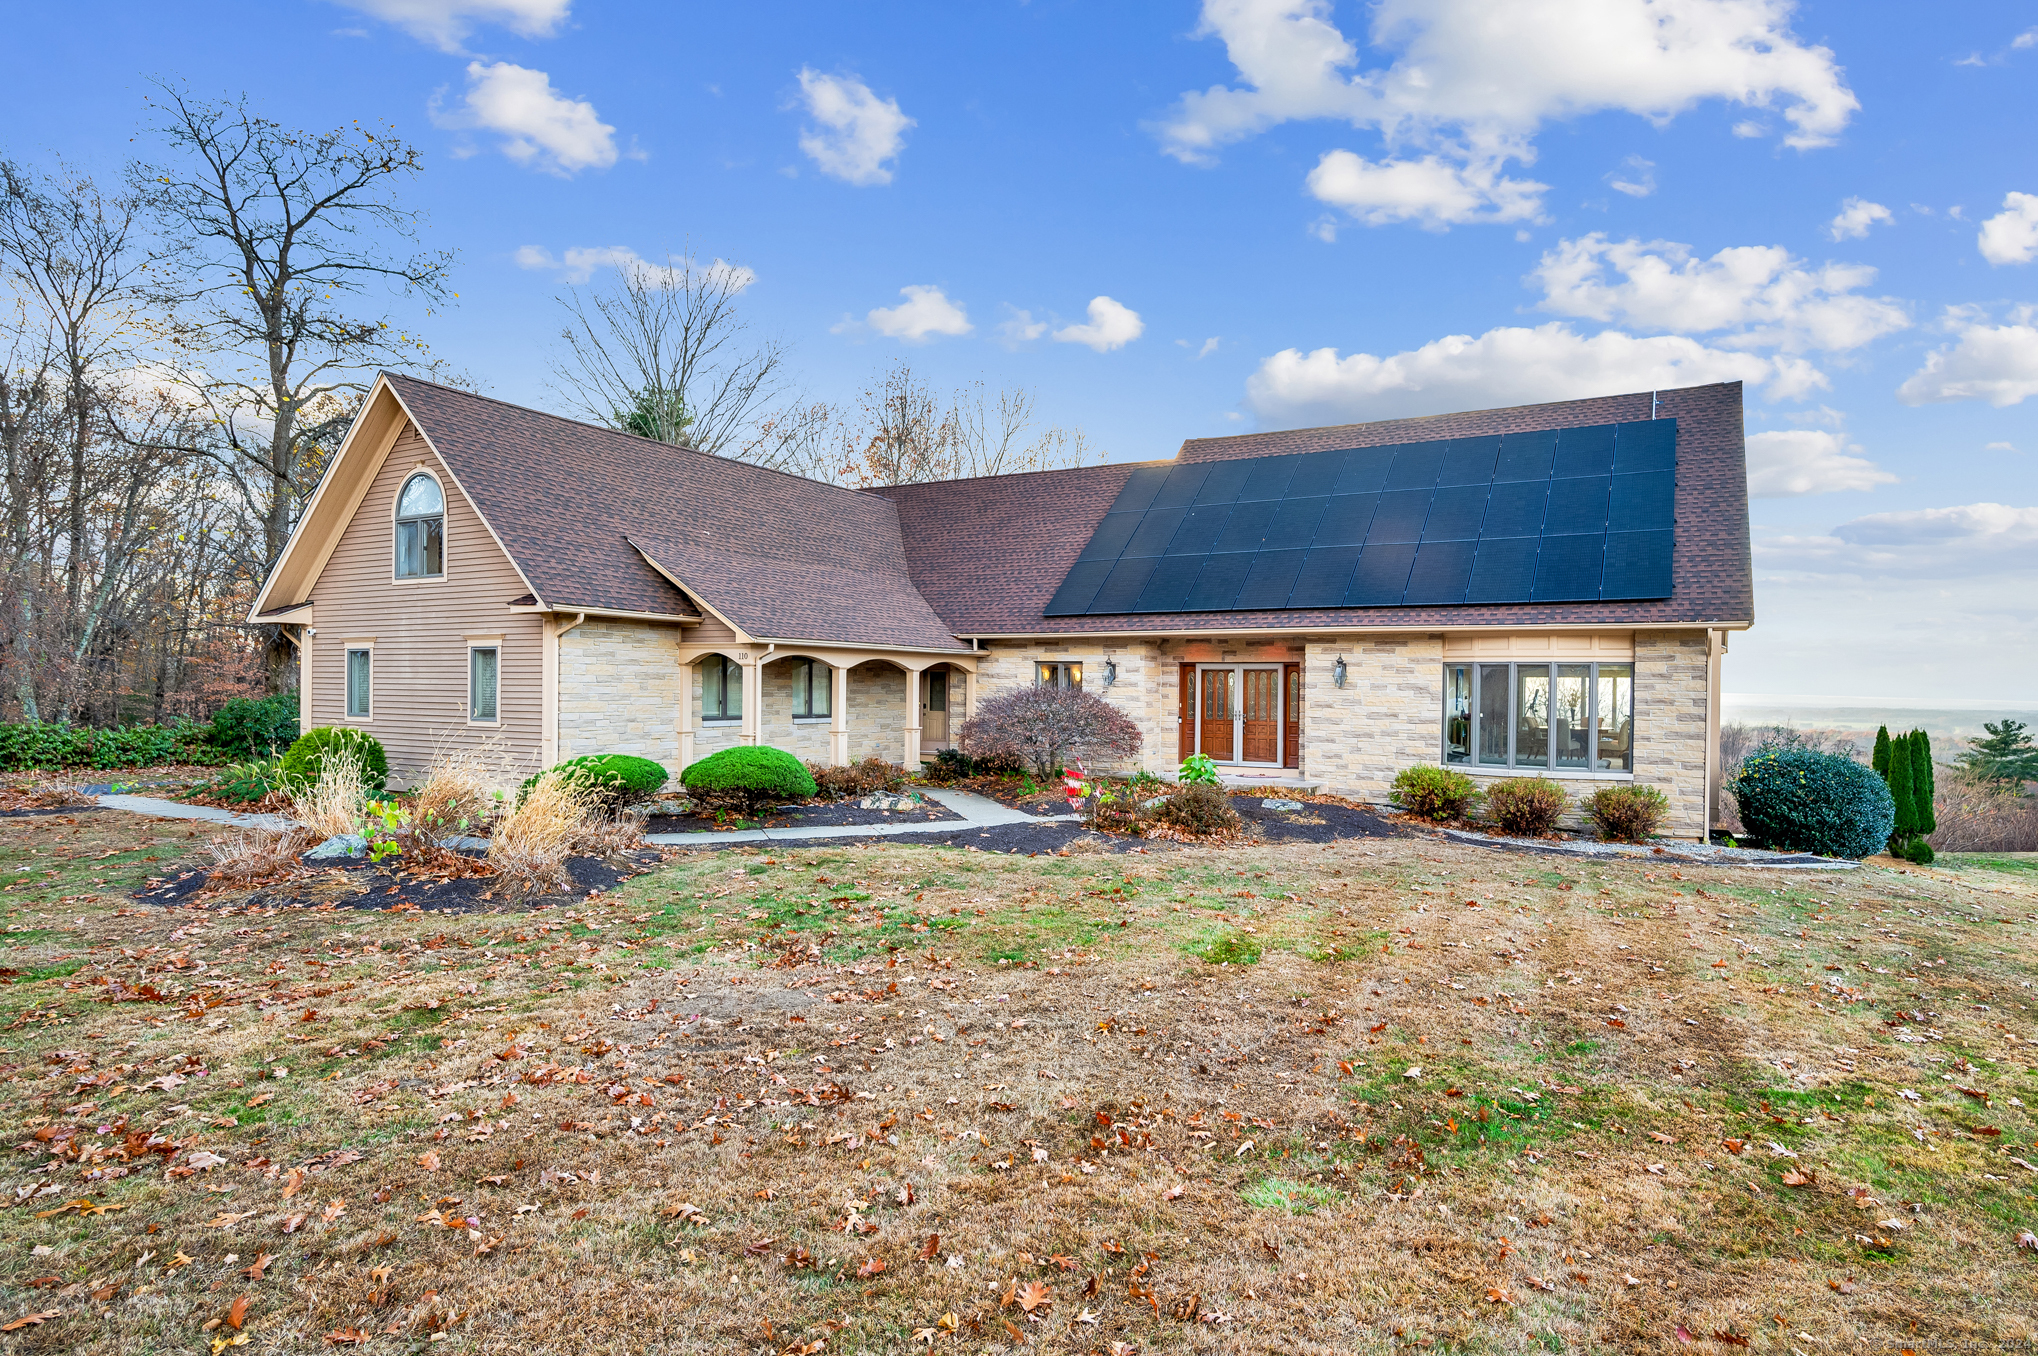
x: 686, y: 680
x: 753, y: 698
x: 912, y: 747
x: 838, y: 715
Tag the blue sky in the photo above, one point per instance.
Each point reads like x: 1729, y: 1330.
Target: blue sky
x: 1173, y: 221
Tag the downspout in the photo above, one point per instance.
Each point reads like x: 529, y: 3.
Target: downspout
x: 1715, y: 647
x: 548, y: 686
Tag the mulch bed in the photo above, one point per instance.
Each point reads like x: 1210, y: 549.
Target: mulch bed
x: 1023, y: 839
x: 1320, y: 820
x: 49, y: 810
x: 817, y: 815
x: 360, y: 884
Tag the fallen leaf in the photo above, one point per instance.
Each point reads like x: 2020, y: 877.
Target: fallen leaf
x: 1662, y: 1138
x: 1732, y: 1339
x: 1497, y: 1295
x: 2027, y: 1239
x: 931, y: 1248
x: 27, y: 1320
x: 1847, y: 1286
x: 429, y: 1160
x: 1173, y: 1193
x: 346, y: 1337
x: 237, y: 1312
x: 869, y: 1267
x: 180, y: 1260
x: 1799, y: 1177
x: 1032, y: 1295
x: 332, y: 1211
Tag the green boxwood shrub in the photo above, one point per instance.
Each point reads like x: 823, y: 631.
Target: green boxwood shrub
x: 1527, y: 807
x: 1627, y: 814
x: 749, y: 775
x: 46, y: 745
x: 610, y: 782
x: 306, y: 759
x: 248, y: 728
x: 1435, y: 793
x: 1800, y: 800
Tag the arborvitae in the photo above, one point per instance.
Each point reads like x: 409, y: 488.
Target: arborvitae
x: 1903, y: 792
x: 1880, y: 762
x: 1922, y: 781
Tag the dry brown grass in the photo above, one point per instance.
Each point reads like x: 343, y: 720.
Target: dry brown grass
x: 455, y: 796
x: 245, y: 856
x: 777, y: 1046
x: 537, y: 832
x: 333, y: 805
x: 1977, y: 815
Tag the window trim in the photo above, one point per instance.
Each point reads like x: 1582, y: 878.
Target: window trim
x: 808, y: 668
x: 494, y: 645
x: 728, y: 664
x: 1547, y: 768
x: 396, y: 522
x: 348, y: 649
x: 1063, y: 668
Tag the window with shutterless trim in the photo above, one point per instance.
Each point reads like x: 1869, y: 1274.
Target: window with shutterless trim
x: 483, y: 667
x: 1058, y: 675
x: 1546, y: 717
x: 721, y: 689
x: 360, y: 676
x: 810, y: 689
x: 420, y: 529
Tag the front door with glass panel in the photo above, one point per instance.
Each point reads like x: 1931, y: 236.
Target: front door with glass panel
x: 1240, y: 713
x: 934, y: 692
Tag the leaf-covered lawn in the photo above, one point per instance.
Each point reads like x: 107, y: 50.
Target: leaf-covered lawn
x: 831, y: 1100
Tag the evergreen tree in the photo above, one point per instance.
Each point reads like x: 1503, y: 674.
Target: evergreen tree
x: 1902, y: 792
x: 1923, y: 781
x: 2007, y: 755
x: 1880, y: 762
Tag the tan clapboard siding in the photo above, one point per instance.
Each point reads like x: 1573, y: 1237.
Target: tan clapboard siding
x: 420, y: 629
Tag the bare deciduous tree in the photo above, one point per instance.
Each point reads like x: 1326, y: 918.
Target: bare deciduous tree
x: 661, y: 352
x: 908, y: 434
x: 279, y: 239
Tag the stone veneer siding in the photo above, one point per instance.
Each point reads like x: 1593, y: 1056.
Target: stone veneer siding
x: 877, y: 716
x: 619, y: 685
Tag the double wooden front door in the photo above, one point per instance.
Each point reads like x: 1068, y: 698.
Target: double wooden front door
x: 1243, y: 713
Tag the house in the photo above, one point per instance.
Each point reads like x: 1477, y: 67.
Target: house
x: 1547, y: 589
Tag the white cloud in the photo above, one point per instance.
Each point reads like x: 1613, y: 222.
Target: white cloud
x: 1112, y: 325
x: 2027, y: 38
x: 1473, y: 80
x: 446, y: 23
x: 858, y: 131
x: 579, y: 264
x: 2011, y: 235
x: 925, y: 311
x: 1636, y: 177
x: 1208, y: 347
x: 1020, y: 327
x: 1996, y: 363
x: 1999, y: 447
x: 1808, y: 461
x: 1963, y: 541
x: 1508, y: 366
x: 540, y: 127
x: 1758, y: 295
x: 1430, y: 191
x: 1856, y: 216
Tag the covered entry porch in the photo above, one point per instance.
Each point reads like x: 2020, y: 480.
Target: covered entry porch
x: 832, y: 705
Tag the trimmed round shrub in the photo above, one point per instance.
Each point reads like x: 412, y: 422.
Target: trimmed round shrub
x: 1527, y: 807
x: 1627, y: 814
x: 1919, y: 852
x: 1198, y: 807
x: 1434, y: 793
x: 306, y: 759
x: 609, y: 783
x: 749, y: 775
x: 1800, y: 800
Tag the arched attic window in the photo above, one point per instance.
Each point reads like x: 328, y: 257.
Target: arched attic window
x: 420, y: 529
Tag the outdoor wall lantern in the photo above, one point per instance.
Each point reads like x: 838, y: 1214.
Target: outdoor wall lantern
x: 1337, y: 672
x: 1110, y: 672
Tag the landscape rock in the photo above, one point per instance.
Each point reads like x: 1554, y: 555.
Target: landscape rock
x: 339, y: 845
x: 1281, y: 804
x: 884, y: 800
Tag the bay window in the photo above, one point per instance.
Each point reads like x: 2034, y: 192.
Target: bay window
x: 1545, y: 717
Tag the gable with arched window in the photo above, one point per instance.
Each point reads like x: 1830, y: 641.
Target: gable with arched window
x: 420, y: 529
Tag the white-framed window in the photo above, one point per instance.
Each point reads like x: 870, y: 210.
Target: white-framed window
x: 1547, y: 717
x: 360, y: 681
x: 811, y: 689
x: 484, y: 667
x: 721, y: 689
x: 1058, y: 675
x: 420, y: 529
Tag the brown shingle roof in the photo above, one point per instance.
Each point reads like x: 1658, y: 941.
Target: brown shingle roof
x: 780, y: 556
x: 988, y: 554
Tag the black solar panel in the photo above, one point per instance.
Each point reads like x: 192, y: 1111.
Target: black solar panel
x: 1552, y: 515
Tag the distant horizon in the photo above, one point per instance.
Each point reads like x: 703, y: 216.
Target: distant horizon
x: 1849, y: 703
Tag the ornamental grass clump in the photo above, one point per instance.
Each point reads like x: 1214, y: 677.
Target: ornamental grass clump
x: 1526, y: 807
x: 333, y: 802
x: 1627, y: 814
x: 1801, y: 800
x: 1434, y: 793
x: 610, y: 783
x: 251, y: 855
x: 538, y: 832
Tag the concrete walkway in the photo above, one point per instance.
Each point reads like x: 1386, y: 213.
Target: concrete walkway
x: 978, y: 812
x: 171, y: 809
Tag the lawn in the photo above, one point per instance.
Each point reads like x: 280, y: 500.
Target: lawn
x: 1355, y: 1097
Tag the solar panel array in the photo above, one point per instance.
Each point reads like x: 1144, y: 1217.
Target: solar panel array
x: 1553, y: 516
